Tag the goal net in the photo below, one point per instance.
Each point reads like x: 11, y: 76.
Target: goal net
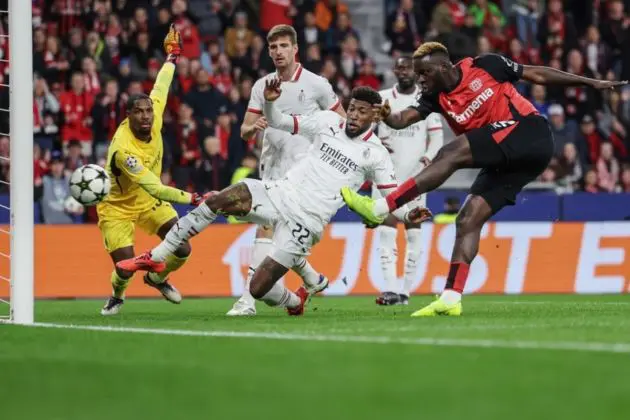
x: 16, y: 162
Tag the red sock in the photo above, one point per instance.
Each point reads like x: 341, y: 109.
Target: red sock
x: 457, y: 276
x: 403, y: 194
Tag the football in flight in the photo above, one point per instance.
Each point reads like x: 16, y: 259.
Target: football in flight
x: 89, y: 184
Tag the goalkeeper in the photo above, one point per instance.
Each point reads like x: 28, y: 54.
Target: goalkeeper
x: 137, y: 197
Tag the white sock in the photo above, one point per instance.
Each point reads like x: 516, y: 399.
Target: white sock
x: 381, y: 208
x: 304, y: 269
x: 389, y: 256
x: 188, y: 226
x: 450, y: 296
x: 281, y: 296
x: 412, y: 256
x: 262, y: 247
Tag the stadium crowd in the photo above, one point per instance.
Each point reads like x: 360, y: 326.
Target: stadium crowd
x: 90, y: 55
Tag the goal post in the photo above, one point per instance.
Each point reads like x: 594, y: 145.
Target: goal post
x: 21, y: 182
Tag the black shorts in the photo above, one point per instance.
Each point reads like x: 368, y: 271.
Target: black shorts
x: 510, y: 154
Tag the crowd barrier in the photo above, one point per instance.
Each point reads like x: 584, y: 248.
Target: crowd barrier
x: 531, y: 257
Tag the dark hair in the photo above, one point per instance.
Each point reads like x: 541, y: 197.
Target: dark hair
x: 366, y: 94
x: 282, y: 30
x: 136, y: 97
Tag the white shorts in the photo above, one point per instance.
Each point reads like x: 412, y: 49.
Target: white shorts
x: 279, y: 152
x: 292, y: 241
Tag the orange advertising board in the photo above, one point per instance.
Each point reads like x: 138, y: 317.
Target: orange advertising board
x: 540, y: 257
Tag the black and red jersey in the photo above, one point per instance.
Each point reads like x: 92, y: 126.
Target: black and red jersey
x: 484, y: 95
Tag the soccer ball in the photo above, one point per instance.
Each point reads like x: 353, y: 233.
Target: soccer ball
x: 89, y: 184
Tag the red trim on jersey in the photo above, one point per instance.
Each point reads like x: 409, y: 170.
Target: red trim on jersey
x: 500, y: 135
x: 295, y: 124
x: 335, y: 105
x: 254, y: 110
x: 403, y: 194
x: 434, y: 128
x: 384, y: 186
x: 367, y: 136
x: 297, y: 73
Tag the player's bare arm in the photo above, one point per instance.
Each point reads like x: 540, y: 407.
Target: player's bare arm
x: 397, y: 120
x: 252, y: 124
x: 542, y: 75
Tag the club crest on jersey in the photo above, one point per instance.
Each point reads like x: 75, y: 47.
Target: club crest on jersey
x: 475, y: 85
x: 366, y: 153
x: 132, y: 164
x: 302, y: 96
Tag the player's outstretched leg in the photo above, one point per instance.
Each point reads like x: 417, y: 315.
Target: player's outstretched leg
x: 120, y: 281
x: 470, y: 220
x: 453, y: 156
x: 235, y: 200
x: 246, y: 304
x: 265, y: 287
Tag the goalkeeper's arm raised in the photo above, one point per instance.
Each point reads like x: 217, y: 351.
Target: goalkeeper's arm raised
x: 159, y: 93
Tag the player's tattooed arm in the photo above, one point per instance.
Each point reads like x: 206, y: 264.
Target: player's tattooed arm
x: 542, y: 75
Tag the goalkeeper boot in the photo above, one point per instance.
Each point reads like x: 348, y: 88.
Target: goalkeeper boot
x: 112, y: 306
x: 243, y: 307
x: 439, y: 307
x: 361, y: 205
x: 169, y: 291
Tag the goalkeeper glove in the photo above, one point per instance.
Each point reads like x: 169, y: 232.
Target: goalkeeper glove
x: 173, y: 44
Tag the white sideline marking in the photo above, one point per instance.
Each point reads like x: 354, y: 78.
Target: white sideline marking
x: 424, y: 341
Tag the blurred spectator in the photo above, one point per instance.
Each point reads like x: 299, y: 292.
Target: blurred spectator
x: 107, y: 113
x: 91, y: 78
x: 276, y: 12
x: 596, y: 53
x: 451, y: 208
x: 526, y: 18
x: 340, y: 31
x: 247, y: 169
x: 40, y: 168
x: 614, y: 27
x: 45, y: 114
x: 496, y: 34
x: 310, y: 33
x: 259, y: 56
x: 190, y: 34
x: 580, y: 100
x: 590, y: 182
x: 563, y: 132
x: 241, y: 60
x: 569, y: 169
x: 224, y: 131
x: 326, y: 12
x: 202, y: 94
x: 367, y: 77
x: 222, y: 78
x: 483, y: 10
x: 351, y: 58
x: 556, y: 31
x: 211, y: 171
x: 609, y: 124
x: 55, y: 62
x: 76, y: 105
x: 56, y: 191
x: 183, y: 77
x: 591, y: 138
x: 405, y: 27
x: 98, y: 51
x: 313, y: 59
x: 187, y: 149
x: 447, y: 15
x: 240, y: 32
x: 470, y: 28
x: 539, y: 99
x: 607, y: 168
x: 483, y: 45
x: 75, y: 158
x: 210, y: 56
x: 625, y: 180
x: 141, y: 56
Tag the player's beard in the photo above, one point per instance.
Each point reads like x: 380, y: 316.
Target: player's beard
x: 406, y: 84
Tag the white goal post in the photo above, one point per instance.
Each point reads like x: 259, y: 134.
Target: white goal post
x: 21, y: 182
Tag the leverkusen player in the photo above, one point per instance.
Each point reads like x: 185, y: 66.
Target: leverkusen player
x: 498, y: 131
x: 137, y: 197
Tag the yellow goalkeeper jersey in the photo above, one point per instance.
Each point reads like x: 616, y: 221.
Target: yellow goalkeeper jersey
x: 132, y: 162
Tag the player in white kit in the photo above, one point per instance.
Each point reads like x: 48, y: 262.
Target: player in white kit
x: 412, y: 149
x: 305, y: 93
x: 344, y: 152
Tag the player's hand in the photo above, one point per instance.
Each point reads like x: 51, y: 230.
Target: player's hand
x: 260, y: 124
x: 197, y: 199
x: 425, y: 161
x: 173, y: 44
x: 608, y: 84
x: 381, y: 111
x: 272, y: 89
x: 418, y: 215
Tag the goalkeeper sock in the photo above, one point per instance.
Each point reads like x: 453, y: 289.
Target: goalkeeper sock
x: 281, y: 296
x: 304, y: 269
x: 262, y: 247
x: 389, y: 256
x: 119, y: 285
x: 173, y: 263
x: 412, y: 256
x: 185, y: 228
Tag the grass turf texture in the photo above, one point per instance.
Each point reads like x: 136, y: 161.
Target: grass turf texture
x: 76, y: 374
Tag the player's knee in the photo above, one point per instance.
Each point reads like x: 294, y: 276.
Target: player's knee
x: 123, y: 274
x: 184, y: 250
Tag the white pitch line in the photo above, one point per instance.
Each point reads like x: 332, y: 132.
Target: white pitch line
x: 549, y: 302
x: 424, y: 341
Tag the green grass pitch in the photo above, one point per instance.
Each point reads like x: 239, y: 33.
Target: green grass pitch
x: 525, y: 357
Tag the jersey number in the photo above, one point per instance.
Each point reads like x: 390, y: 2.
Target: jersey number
x: 300, y: 233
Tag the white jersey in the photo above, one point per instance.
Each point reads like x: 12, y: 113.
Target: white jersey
x: 310, y: 193
x: 408, y: 145
x: 305, y: 94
